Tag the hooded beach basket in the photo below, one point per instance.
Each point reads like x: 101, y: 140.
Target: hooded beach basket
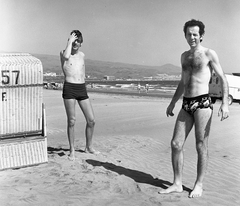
x: 22, y: 114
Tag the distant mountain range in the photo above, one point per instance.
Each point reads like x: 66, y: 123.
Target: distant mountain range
x: 98, y: 69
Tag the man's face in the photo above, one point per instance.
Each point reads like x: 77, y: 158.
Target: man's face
x: 192, y: 36
x: 76, y: 44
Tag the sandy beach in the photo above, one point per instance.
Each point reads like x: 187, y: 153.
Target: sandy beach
x: 133, y: 135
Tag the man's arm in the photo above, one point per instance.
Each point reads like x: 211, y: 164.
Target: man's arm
x: 215, y: 64
x: 67, y: 52
x: 178, y: 93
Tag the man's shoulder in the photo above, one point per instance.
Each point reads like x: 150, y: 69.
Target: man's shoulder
x: 210, y: 53
x: 80, y: 53
x: 184, y: 53
x: 62, y: 54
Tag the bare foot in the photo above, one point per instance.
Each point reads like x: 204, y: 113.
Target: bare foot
x: 91, y: 151
x: 197, y: 191
x: 71, y: 156
x: 173, y: 188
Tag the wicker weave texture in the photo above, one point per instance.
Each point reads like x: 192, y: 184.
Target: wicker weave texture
x: 25, y: 153
x: 21, y: 94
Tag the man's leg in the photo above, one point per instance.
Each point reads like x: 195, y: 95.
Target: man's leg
x: 183, y: 126
x: 203, y: 118
x: 87, y: 109
x: 70, y: 110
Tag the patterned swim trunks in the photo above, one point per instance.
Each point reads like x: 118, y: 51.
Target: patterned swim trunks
x: 191, y: 104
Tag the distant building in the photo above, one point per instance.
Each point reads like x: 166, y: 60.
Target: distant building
x: 109, y: 77
x: 148, y: 78
x: 52, y: 74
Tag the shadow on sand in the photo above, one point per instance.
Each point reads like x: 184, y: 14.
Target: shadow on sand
x: 60, y: 151
x: 137, y: 176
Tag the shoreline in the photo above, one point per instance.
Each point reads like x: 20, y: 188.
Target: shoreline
x: 132, y: 93
x: 124, y: 92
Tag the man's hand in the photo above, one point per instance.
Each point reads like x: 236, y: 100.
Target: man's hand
x: 72, y: 37
x: 223, y: 112
x: 169, y: 111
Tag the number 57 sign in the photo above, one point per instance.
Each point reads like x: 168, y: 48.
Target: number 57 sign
x: 10, y: 77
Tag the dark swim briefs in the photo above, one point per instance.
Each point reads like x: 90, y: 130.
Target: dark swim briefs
x: 74, y: 91
x: 191, y: 104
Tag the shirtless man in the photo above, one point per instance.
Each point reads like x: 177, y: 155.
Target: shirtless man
x: 74, y: 89
x: 198, y: 64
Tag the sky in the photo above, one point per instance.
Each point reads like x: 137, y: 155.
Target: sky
x: 144, y: 32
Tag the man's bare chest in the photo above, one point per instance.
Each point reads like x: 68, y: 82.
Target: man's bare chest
x: 195, y: 62
x: 74, y: 63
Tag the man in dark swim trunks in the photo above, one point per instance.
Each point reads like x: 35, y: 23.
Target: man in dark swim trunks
x: 198, y: 63
x: 74, y: 89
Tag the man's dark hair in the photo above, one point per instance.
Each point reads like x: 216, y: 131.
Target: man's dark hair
x: 79, y: 35
x: 194, y: 22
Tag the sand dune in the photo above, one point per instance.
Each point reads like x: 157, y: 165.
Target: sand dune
x: 133, y: 135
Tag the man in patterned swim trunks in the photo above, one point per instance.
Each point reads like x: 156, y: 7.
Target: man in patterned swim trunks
x: 198, y: 63
x: 74, y: 89
x: 191, y: 105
